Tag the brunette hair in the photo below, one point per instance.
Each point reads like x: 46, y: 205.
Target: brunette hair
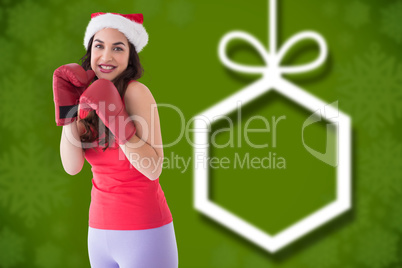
x: 91, y: 122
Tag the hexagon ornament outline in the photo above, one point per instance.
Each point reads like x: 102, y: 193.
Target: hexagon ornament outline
x: 272, y: 80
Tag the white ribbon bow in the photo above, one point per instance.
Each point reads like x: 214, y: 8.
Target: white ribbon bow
x: 272, y: 59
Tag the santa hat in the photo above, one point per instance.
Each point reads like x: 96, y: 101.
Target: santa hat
x: 129, y: 24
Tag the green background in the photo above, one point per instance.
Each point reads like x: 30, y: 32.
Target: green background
x: 44, y: 211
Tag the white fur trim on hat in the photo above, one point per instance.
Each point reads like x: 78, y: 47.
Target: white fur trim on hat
x: 134, y: 31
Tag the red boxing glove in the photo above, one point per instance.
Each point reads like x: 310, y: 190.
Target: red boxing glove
x: 69, y: 81
x: 103, y: 97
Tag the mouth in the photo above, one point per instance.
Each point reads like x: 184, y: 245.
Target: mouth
x: 105, y: 68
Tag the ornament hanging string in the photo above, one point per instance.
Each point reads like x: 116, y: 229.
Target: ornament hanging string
x: 271, y: 57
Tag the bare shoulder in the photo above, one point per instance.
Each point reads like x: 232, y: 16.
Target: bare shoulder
x: 137, y: 92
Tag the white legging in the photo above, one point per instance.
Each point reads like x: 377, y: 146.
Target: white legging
x: 149, y: 248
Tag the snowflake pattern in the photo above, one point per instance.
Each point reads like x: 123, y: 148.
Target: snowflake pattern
x: 11, y: 248
x: 391, y: 21
x: 78, y: 16
x: 370, y: 89
x: 395, y: 215
x: 368, y: 208
x: 28, y: 22
x: 59, y: 230
x: 8, y: 50
x: 345, y: 39
x: 181, y: 12
x: 382, y: 157
x: 48, y: 256
x: 329, y: 9
x: 378, y: 253
x: 21, y: 104
x: 369, y: 224
x: 76, y: 260
x: 54, y: 51
x: 347, y: 239
x: 5, y: 2
x: 1, y: 15
x: 377, y: 248
x: 29, y: 181
x: 362, y: 222
x: 357, y: 14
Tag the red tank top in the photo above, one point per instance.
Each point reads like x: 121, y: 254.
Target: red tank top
x: 122, y: 198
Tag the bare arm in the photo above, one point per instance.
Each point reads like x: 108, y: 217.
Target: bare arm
x: 144, y: 150
x: 71, y: 152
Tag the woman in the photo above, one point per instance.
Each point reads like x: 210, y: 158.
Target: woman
x: 130, y: 224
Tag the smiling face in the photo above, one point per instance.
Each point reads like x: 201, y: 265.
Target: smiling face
x: 109, y: 53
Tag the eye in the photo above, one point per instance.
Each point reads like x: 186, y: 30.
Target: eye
x: 118, y: 49
x: 98, y: 46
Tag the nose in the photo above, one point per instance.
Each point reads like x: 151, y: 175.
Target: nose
x: 106, y: 55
